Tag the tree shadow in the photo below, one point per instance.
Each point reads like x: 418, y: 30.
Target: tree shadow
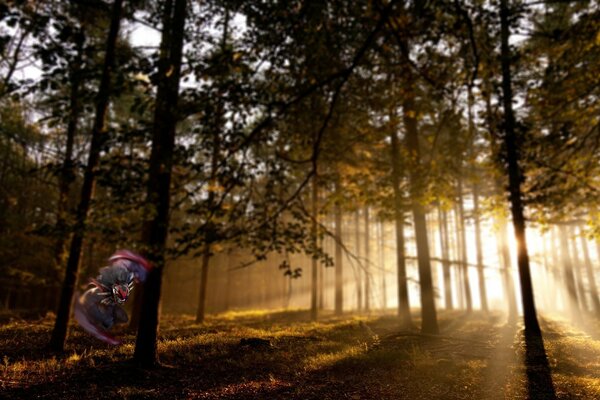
x: 537, y: 368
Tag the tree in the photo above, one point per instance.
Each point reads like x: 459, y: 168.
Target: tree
x: 403, y: 301
x: 515, y: 176
x: 417, y: 182
x: 155, y: 229
x: 59, y: 333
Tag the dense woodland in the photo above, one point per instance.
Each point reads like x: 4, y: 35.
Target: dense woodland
x: 342, y: 157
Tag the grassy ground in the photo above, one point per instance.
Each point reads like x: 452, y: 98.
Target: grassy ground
x: 355, y: 357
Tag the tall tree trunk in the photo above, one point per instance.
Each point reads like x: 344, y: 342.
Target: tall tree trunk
x: 210, y: 231
x: 382, y: 265
x: 67, y: 172
x: 204, y: 269
x: 458, y: 250
x: 443, y: 217
x: 321, y: 279
x: 59, y: 334
x: 589, y: 272
x: 501, y: 231
x: 428, y: 311
x: 463, y: 248
x: 339, y: 274
x: 155, y: 229
x: 569, y: 277
x: 515, y: 177
x: 403, y: 301
x: 475, y: 189
x: 314, y: 238
x: 367, y: 262
x: 479, y: 250
x: 576, y: 262
x: 359, y: 283
x: 558, y: 271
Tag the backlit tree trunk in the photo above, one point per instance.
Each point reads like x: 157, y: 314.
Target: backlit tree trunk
x: 444, y: 241
x: 381, y: 232
x: 367, y: 262
x: 589, y: 272
x: 569, y: 277
x: 210, y: 232
x: 479, y: 250
x: 576, y: 263
x: 59, y: 334
x: 515, y: 177
x: 464, y: 268
x: 67, y: 172
x: 339, y: 275
x: 359, y: 283
x: 155, y: 229
x: 314, y: 238
x: 428, y: 311
x: 403, y: 302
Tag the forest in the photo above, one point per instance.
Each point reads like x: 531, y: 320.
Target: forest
x: 332, y: 199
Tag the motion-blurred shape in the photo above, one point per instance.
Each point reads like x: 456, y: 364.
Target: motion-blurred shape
x: 99, y: 308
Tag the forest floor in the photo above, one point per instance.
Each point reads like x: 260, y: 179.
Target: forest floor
x: 350, y: 357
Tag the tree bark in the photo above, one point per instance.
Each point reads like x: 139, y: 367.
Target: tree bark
x: 403, y: 301
x: 569, y: 277
x: 210, y: 201
x: 382, y: 264
x: 463, y: 248
x: 359, y: 283
x: 515, y: 177
x: 59, y: 334
x: 155, y: 229
x: 504, y: 255
x: 367, y: 262
x: 314, y: 238
x: 67, y: 173
x: 589, y: 273
x: 204, y: 269
x: 479, y: 250
x: 576, y: 263
x: 339, y: 274
x: 428, y: 311
x: 444, y: 241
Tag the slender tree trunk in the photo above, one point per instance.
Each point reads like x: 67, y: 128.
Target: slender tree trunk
x: 501, y: 232
x: 367, y: 262
x: 515, y: 177
x: 458, y: 250
x: 321, y: 279
x: 210, y: 230
x: 382, y: 263
x: 428, y: 311
x: 589, y: 273
x: 67, y: 173
x: 314, y: 261
x: 557, y: 268
x: 509, y: 287
x: 445, y: 258
x: 359, y: 283
x: 204, y: 269
x: 155, y: 229
x: 463, y: 248
x: 403, y: 301
x: 576, y: 262
x: 339, y: 274
x: 569, y: 277
x: 479, y: 249
x: 59, y: 334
